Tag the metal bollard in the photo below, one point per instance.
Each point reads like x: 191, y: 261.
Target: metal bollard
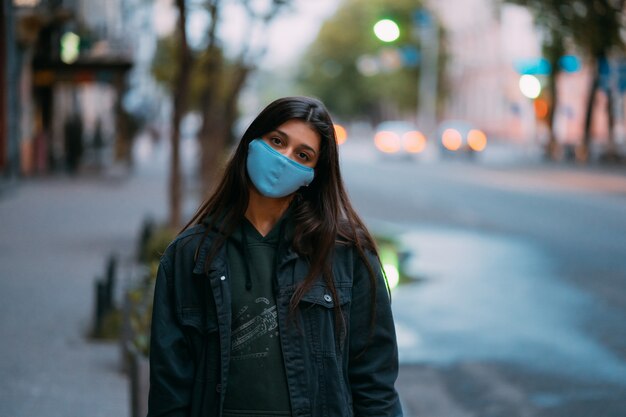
x: 100, y: 309
x: 111, y: 274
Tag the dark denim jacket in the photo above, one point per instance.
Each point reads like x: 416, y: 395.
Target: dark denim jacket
x: 191, y: 336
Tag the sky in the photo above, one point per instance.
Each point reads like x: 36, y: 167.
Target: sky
x: 287, y: 38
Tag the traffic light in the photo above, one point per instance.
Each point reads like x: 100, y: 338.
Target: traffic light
x: 387, y: 30
x: 70, y: 47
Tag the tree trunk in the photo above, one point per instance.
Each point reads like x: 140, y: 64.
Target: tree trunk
x: 552, y: 145
x: 582, y: 154
x: 180, y: 101
x: 611, y: 154
x: 213, y: 139
x: 219, y: 116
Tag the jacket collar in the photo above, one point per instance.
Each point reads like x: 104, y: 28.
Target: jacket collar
x: 218, y: 263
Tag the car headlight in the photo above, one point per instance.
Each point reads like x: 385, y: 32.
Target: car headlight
x: 414, y: 141
x: 387, y: 142
x: 476, y: 140
x: 451, y: 139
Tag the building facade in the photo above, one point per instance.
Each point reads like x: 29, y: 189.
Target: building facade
x: 486, y: 39
x: 72, y: 64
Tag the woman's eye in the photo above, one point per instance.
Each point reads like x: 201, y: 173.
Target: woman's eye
x: 303, y: 156
x: 276, y: 141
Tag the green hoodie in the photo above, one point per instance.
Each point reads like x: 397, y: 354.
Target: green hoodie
x: 257, y: 382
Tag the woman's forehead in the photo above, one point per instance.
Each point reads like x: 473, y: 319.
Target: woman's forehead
x: 301, y: 132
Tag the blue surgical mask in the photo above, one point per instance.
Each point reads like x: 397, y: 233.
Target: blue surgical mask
x: 272, y: 173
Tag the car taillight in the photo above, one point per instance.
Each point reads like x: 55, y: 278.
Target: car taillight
x: 387, y: 142
x: 477, y: 140
x: 414, y: 141
x: 451, y: 139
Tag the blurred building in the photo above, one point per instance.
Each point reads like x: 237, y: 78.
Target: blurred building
x: 486, y: 40
x: 69, y: 76
x: 9, y: 164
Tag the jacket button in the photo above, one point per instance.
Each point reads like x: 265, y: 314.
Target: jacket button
x: 328, y: 298
x: 223, y: 277
x: 218, y: 388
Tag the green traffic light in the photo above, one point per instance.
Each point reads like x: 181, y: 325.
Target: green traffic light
x: 387, y: 30
x: 70, y: 47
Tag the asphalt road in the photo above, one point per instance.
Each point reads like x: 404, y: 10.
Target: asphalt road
x: 520, y: 299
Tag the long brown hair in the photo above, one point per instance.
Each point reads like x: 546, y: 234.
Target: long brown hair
x: 322, y: 212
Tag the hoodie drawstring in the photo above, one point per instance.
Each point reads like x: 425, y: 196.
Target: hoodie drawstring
x: 247, y: 257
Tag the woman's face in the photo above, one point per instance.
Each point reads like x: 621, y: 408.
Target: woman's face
x: 296, y: 140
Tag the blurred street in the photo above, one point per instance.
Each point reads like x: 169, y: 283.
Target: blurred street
x: 483, y: 142
x: 519, y: 305
x: 517, y: 310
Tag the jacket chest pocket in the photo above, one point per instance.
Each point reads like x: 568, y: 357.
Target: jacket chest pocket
x: 197, y: 327
x: 324, y: 328
x: 196, y: 318
x: 196, y: 308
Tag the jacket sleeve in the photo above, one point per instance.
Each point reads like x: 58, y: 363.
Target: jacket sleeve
x: 373, y: 362
x: 171, y: 366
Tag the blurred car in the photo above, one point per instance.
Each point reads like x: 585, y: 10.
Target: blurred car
x: 460, y: 137
x: 399, y: 138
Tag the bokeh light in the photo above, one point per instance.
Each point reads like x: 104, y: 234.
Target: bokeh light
x: 70, y: 47
x: 387, y: 141
x: 414, y: 141
x: 340, y: 134
x: 387, y: 30
x: 530, y: 86
x: 477, y: 140
x: 390, y: 263
x: 451, y: 139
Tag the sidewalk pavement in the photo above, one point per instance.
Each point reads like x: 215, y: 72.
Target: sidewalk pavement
x: 55, y: 236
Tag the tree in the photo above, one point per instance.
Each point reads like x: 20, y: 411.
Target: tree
x: 593, y: 26
x: 547, y: 15
x: 354, y: 72
x: 209, y: 81
x: 181, y: 86
x: 225, y: 79
x: 597, y: 31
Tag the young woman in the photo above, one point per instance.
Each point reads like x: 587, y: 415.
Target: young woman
x: 272, y: 301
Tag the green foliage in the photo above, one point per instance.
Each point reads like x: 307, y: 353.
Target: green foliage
x: 165, y: 61
x: 140, y: 297
x: 165, y: 65
x: 330, y: 72
x: 156, y: 244
x: 597, y: 24
x: 211, y: 69
x: 140, y: 311
x: 591, y: 25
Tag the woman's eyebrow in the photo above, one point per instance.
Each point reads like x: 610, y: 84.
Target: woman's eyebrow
x: 281, y: 133
x: 284, y: 135
x: 309, y: 148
